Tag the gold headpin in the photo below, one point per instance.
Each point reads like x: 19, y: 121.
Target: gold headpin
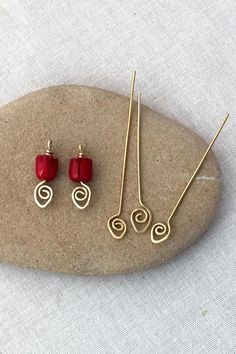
x: 80, y: 171
x: 142, y: 215
x: 116, y: 225
x: 46, y: 170
x: 163, y: 231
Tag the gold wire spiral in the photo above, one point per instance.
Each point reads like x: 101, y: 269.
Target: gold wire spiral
x: 160, y: 232
x: 44, y: 193
x: 117, y: 227
x: 81, y: 196
x: 141, y: 216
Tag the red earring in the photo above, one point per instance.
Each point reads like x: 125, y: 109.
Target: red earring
x: 80, y: 171
x: 46, y: 170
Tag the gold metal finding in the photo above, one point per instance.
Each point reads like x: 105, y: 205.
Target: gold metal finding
x: 162, y: 231
x: 43, y: 194
x: 49, y: 149
x: 81, y: 195
x: 81, y: 154
x: 142, y: 215
x: 116, y: 225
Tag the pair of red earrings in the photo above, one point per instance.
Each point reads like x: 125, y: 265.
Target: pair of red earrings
x: 80, y: 171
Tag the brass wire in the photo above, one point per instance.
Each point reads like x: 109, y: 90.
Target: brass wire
x: 164, y: 230
x: 116, y: 225
x: 141, y: 215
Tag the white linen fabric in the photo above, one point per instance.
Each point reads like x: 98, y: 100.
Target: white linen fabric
x: 185, y: 56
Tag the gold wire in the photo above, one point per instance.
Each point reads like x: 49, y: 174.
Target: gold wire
x: 164, y: 230
x: 49, y: 148
x: 138, y: 149
x: 81, y: 154
x: 114, y: 223
x: 141, y: 215
x: 126, y: 142
x: 81, y: 196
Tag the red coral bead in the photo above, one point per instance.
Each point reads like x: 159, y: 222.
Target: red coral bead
x: 46, y: 167
x: 80, y: 169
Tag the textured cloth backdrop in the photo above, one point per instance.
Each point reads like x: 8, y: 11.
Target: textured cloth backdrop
x: 185, y: 56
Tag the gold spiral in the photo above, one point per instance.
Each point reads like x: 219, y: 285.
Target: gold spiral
x: 160, y: 232
x: 117, y: 227
x: 141, y: 216
x: 81, y: 196
x: 43, y: 194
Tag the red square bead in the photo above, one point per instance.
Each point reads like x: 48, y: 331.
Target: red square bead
x: 80, y: 169
x: 46, y: 167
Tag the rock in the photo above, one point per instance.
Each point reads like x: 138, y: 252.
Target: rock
x: 62, y: 238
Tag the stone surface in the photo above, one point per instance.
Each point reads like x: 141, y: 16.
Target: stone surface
x: 65, y: 239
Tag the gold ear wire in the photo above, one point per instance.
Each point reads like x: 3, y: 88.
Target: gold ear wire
x: 164, y: 230
x: 141, y: 215
x: 116, y: 225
